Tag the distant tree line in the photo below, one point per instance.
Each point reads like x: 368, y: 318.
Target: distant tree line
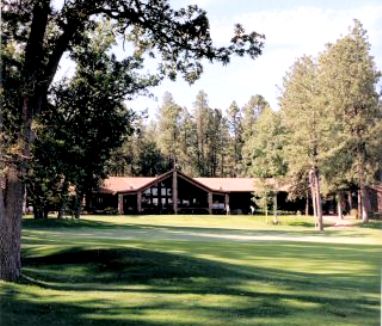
x: 201, y: 142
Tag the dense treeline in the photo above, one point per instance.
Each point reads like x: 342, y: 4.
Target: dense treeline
x: 201, y: 141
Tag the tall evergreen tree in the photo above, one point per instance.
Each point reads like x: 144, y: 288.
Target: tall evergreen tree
x: 251, y: 112
x: 348, y: 80
x: 306, y: 125
x: 188, y: 143
x: 202, y: 119
x: 168, y: 139
x: 268, y: 164
x: 268, y: 146
x: 234, y: 119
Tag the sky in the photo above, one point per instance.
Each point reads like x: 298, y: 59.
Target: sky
x: 292, y: 28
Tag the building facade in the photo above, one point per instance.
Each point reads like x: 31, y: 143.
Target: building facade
x: 176, y: 193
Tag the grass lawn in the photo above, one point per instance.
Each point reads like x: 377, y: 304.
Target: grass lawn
x: 195, y: 270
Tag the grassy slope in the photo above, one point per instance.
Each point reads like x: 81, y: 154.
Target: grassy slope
x: 161, y: 270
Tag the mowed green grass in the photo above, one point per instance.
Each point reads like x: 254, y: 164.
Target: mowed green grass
x: 194, y: 270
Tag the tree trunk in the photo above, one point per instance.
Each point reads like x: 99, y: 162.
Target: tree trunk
x: 64, y: 198
x: 359, y: 207
x: 307, y: 204
x: 365, y: 204
x: 314, y: 202
x: 313, y: 192
x: 339, y: 206
x: 11, y: 205
x: 35, y: 87
x: 363, y: 196
x: 77, y: 204
x: 46, y: 212
x: 318, y: 200
x: 350, y: 200
x: 314, y: 180
x: 38, y: 212
x: 275, y: 217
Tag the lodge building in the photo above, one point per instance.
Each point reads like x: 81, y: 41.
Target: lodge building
x: 176, y: 193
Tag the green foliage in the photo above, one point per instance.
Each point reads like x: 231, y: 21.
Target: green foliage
x: 168, y: 139
x: 251, y: 112
x: 234, y: 120
x: 348, y: 79
x: 267, y: 146
x: 84, y: 121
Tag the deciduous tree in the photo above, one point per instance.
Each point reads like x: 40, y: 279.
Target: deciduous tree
x: 42, y: 33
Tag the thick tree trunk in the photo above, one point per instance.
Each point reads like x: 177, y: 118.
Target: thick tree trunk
x: 10, y: 225
x: 11, y: 207
x: 35, y: 87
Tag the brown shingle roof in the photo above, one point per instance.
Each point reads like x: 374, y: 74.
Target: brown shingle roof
x: 124, y: 184
x: 115, y: 185
x: 228, y: 184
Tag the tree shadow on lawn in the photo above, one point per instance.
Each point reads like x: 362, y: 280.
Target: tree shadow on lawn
x: 122, y: 270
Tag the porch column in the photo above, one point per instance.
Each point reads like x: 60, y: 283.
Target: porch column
x: 175, y: 191
x: 139, y: 202
x: 120, y: 204
x: 210, y: 203
x: 226, y: 203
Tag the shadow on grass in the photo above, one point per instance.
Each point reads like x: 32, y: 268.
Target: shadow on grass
x: 153, y: 273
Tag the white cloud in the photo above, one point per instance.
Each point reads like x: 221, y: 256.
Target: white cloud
x: 289, y: 34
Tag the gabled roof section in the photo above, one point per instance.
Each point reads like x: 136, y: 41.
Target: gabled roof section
x: 115, y: 185
x: 197, y: 183
x: 228, y: 184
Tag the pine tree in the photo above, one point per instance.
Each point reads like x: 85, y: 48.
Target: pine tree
x: 251, y: 112
x: 236, y: 131
x: 202, y: 118
x: 348, y: 78
x: 168, y: 139
x: 306, y: 125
